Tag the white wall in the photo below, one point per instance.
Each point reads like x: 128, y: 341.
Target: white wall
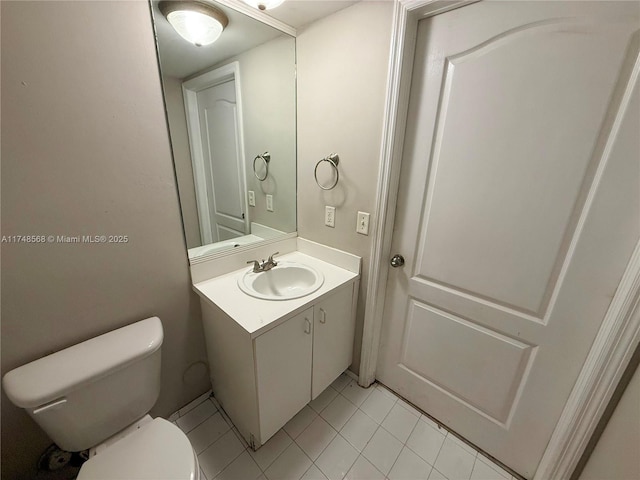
x: 617, y: 454
x: 85, y: 151
x: 342, y: 77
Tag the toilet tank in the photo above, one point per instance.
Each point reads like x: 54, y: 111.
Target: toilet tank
x: 84, y: 394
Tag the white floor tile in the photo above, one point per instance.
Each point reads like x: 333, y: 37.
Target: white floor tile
x: 482, y: 471
x: 341, y: 382
x: 409, y: 466
x: 382, y: 450
x: 487, y: 461
x: 426, y: 441
x: 363, y: 469
x: 291, y: 465
x: 242, y: 468
x: 355, y: 393
x: 454, y: 461
x: 316, y: 437
x: 338, y: 412
x: 240, y: 437
x: 314, y: 473
x: 323, y: 399
x: 436, y: 475
x: 196, y: 416
x: 302, y: 420
x: 386, y: 391
x: 463, y: 444
x: 216, y: 458
x: 267, y: 453
x: 411, y: 408
x: 400, y: 422
x: 337, y: 458
x: 262, y: 477
x: 359, y: 430
x: 202, y: 475
x: 173, y: 417
x: 428, y: 420
x: 207, y: 432
x: 377, y: 405
x: 194, y: 403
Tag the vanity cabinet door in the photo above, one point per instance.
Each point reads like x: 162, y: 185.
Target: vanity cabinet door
x: 334, y: 324
x: 283, y: 372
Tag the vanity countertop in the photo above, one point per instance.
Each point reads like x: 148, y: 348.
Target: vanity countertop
x: 257, y: 316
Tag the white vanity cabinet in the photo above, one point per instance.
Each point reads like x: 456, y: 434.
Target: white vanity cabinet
x: 263, y: 380
x: 333, y: 333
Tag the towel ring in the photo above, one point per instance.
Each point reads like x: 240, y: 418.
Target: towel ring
x: 333, y: 160
x: 266, y: 158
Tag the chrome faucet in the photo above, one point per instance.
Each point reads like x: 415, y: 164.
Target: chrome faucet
x: 264, y: 266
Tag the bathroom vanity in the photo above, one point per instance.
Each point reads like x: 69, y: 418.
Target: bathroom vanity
x: 269, y: 358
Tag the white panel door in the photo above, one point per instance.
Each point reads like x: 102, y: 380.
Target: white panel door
x: 222, y: 160
x: 518, y: 211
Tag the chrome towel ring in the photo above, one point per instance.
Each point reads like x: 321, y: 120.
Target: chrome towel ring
x: 333, y: 160
x: 266, y: 158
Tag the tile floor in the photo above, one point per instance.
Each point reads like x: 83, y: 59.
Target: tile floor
x: 348, y: 432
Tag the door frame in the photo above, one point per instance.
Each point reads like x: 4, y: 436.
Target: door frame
x: 619, y: 334
x: 190, y: 90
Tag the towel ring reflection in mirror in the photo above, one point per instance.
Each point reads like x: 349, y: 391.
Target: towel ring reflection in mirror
x: 333, y: 160
x: 266, y: 158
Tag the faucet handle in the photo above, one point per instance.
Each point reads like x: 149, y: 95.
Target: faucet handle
x: 271, y: 260
x: 256, y: 265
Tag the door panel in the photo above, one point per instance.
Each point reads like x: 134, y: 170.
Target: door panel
x: 495, y: 360
x: 521, y: 160
x: 223, y: 161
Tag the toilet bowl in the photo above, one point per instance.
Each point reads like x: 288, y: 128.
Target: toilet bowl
x: 97, y: 395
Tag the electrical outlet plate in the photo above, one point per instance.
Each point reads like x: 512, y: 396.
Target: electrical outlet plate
x: 252, y: 198
x: 270, y: 203
x: 362, y: 225
x: 330, y: 216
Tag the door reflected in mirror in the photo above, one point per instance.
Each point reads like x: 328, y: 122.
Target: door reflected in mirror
x: 231, y: 114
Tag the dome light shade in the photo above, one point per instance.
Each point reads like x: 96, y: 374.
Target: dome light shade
x: 264, y: 4
x: 196, y: 22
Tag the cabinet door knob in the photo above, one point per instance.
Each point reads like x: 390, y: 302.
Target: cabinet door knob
x: 307, y: 326
x: 323, y: 316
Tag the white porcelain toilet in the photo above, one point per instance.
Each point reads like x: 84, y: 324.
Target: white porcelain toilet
x: 96, y: 395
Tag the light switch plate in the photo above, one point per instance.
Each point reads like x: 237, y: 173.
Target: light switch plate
x: 330, y: 216
x: 362, y: 225
x: 270, y: 203
x: 252, y: 198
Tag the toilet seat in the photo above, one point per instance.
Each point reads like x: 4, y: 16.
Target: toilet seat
x: 157, y: 451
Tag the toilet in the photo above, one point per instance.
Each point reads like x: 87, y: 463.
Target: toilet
x: 97, y: 395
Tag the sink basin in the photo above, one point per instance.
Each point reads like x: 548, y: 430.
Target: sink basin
x: 286, y: 281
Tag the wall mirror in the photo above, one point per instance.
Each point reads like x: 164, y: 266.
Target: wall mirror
x: 231, y: 109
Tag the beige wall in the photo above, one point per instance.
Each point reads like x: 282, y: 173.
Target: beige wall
x: 268, y: 84
x: 617, y: 454
x: 85, y: 151
x: 342, y: 76
x: 182, y: 159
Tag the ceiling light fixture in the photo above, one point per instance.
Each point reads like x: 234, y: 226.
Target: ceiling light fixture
x: 196, y: 22
x: 264, y: 4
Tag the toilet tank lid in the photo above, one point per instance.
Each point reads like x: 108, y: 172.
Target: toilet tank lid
x: 50, y: 377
